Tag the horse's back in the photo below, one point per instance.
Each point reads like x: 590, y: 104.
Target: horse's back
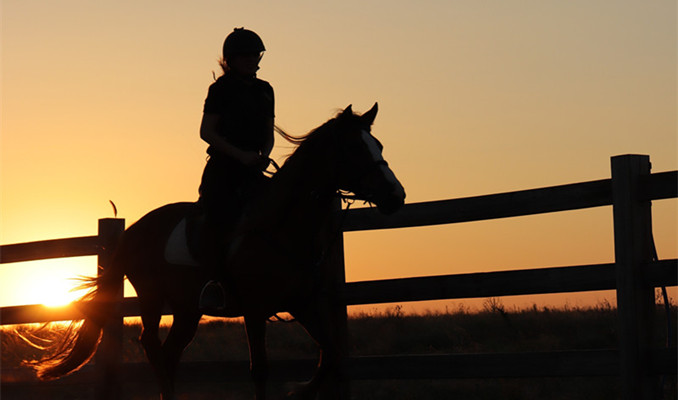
x: 166, y: 216
x: 149, y: 234
x: 141, y: 251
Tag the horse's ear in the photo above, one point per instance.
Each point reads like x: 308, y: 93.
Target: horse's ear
x: 348, y: 110
x: 369, y: 116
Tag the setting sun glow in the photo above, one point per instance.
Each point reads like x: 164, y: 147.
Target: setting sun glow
x: 48, y: 282
x: 56, y: 293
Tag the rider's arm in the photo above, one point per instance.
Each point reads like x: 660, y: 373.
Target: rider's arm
x: 208, y: 133
x: 268, y: 145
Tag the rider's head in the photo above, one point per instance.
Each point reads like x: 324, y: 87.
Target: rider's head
x: 242, y: 52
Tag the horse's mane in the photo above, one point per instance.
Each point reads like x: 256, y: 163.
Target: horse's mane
x: 295, y: 140
x: 299, y: 140
x: 330, y: 125
x: 312, y: 136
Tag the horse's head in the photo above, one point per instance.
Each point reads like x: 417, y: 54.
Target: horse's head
x: 362, y: 168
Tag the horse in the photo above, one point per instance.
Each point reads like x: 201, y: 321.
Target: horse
x: 275, y: 260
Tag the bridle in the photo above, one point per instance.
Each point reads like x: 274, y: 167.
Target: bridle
x: 353, y: 196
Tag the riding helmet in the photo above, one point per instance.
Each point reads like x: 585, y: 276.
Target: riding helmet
x: 242, y: 41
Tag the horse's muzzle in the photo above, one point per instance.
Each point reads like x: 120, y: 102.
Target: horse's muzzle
x: 393, y: 201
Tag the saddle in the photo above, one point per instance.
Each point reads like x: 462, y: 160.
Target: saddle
x: 192, y: 241
x: 185, y: 244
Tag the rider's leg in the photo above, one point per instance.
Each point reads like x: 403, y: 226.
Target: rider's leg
x: 215, y: 192
x: 224, y: 198
x: 213, y: 295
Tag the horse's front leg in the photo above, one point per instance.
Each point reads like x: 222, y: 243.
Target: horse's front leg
x: 256, y: 338
x: 319, y: 323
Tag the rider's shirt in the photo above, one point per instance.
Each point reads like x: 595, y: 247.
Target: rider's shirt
x: 245, y: 108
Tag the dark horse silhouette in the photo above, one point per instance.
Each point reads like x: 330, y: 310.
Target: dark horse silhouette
x: 274, y: 259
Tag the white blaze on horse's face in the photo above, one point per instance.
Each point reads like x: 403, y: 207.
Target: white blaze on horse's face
x: 375, y: 150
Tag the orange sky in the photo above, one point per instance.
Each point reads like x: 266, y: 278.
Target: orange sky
x: 103, y: 101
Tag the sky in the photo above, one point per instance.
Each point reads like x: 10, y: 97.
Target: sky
x: 102, y: 101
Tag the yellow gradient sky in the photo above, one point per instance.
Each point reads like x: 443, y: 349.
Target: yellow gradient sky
x: 103, y: 100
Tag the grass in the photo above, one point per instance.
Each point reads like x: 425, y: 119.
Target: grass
x: 493, y: 329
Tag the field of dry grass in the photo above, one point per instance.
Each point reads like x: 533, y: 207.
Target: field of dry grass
x: 493, y: 329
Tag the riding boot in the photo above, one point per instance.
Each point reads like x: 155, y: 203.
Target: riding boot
x: 219, y: 298
x: 212, y: 296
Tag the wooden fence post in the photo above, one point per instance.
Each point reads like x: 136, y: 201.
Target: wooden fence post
x: 109, y: 354
x: 339, y: 390
x: 635, y: 298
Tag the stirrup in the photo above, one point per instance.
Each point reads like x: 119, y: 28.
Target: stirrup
x: 212, y: 297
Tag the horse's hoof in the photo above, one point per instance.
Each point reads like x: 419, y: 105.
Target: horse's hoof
x: 300, y: 392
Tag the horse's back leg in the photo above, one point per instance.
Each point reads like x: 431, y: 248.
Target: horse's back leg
x: 151, y: 312
x: 180, y: 335
x: 256, y: 339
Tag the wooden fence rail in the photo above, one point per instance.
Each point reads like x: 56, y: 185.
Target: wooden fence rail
x: 58, y: 248
x: 634, y: 275
x: 441, y: 287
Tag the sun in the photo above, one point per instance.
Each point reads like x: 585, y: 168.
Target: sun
x: 57, y: 292
x: 56, y: 288
x: 48, y: 282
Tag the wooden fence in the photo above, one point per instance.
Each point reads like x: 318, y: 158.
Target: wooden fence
x: 633, y: 275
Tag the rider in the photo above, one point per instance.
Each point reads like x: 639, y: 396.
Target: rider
x: 237, y: 124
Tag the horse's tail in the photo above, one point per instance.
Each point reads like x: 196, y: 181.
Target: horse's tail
x: 79, y: 343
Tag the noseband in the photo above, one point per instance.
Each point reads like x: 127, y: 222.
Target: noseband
x: 350, y: 198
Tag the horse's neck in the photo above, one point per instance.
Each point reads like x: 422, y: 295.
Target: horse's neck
x: 300, y: 197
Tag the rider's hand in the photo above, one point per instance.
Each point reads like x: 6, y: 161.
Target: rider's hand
x: 253, y: 159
